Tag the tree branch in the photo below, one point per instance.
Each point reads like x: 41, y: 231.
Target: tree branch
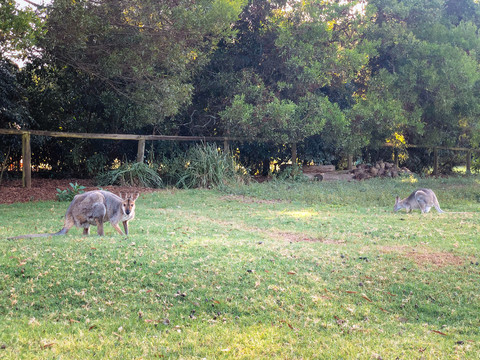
x: 38, y: 6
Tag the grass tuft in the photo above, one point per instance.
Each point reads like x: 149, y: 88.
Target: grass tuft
x: 204, y: 166
x: 131, y: 174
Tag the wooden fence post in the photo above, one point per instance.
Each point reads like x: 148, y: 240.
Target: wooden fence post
x: 435, y: 161
x: 27, y: 161
x: 469, y: 162
x: 141, y: 150
x: 395, y: 158
x: 350, y: 162
x: 226, y: 146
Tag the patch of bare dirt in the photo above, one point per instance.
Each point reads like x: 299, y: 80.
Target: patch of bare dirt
x: 12, y: 191
x: 423, y: 257
x: 438, y: 259
x: 395, y: 248
x: 296, y: 237
x: 274, y: 235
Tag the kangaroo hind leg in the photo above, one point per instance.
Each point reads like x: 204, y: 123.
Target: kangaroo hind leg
x: 98, y: 214
x: 422, y: 205
x: 420, y: 198
x: 100, y: 230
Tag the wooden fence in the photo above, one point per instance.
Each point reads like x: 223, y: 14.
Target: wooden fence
x: 27, y: 152
x: 468, y: 151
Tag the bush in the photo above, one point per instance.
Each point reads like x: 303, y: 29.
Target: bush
x: 205, y: 167
x: 131, y: 174
x: 69, y: 193
x: 291, y: 173
x: 475, y: 163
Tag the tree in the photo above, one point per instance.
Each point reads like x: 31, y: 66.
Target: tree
x: 424, y: 82
x: 145, y: 51
x: 311, y: 49
x: 19, y: 30
x: 13, y: 105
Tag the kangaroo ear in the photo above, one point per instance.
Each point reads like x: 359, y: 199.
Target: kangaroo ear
x: 135, y: 196
x: 397, y: 199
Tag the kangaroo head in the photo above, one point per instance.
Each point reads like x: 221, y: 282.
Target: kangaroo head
x: 128, y: 203
x: 397, y: 204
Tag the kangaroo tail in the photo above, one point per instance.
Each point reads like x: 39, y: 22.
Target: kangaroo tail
x: 61, y: 232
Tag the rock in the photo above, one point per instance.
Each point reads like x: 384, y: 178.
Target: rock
x: 361, y: 175
x: 379, y: 169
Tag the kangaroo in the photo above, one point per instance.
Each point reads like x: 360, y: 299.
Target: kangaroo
x: 95, y: 208
x: 423, y: 199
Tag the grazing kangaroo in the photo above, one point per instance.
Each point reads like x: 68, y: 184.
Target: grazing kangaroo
x: 95, y: 208
x: 423, y: 199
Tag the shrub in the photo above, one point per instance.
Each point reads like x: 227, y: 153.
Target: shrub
x: 69, y: 193
x: 96, y: 163
x: 475, y: 163
x: 205, y: 167
x: 291, y: 173
x: 131, y: 174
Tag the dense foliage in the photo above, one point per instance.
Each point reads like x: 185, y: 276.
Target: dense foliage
x: 335, y: 78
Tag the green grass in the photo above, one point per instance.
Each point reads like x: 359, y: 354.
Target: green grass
x: 272, y: 270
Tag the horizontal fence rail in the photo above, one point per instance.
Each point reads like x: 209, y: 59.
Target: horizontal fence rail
x: 27, y: 153
x: 434, y: 147
x: 117, y: 136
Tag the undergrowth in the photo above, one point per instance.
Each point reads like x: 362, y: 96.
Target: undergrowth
x: 69, y: 193
x: 204, y: 166
x: 131, y: 174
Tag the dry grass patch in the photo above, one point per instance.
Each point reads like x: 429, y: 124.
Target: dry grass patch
x: 299, y: 237
x: 437, y: 259
x: 424, y: 257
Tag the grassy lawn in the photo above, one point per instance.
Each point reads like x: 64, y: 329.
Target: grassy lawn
x: 271, y: 270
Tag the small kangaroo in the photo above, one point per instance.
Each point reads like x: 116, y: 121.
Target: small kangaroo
x: 95, y: 208
x: 423, y: 199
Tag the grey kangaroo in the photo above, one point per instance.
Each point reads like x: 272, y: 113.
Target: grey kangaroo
x: 423, y: 199
x: 95, y: 208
